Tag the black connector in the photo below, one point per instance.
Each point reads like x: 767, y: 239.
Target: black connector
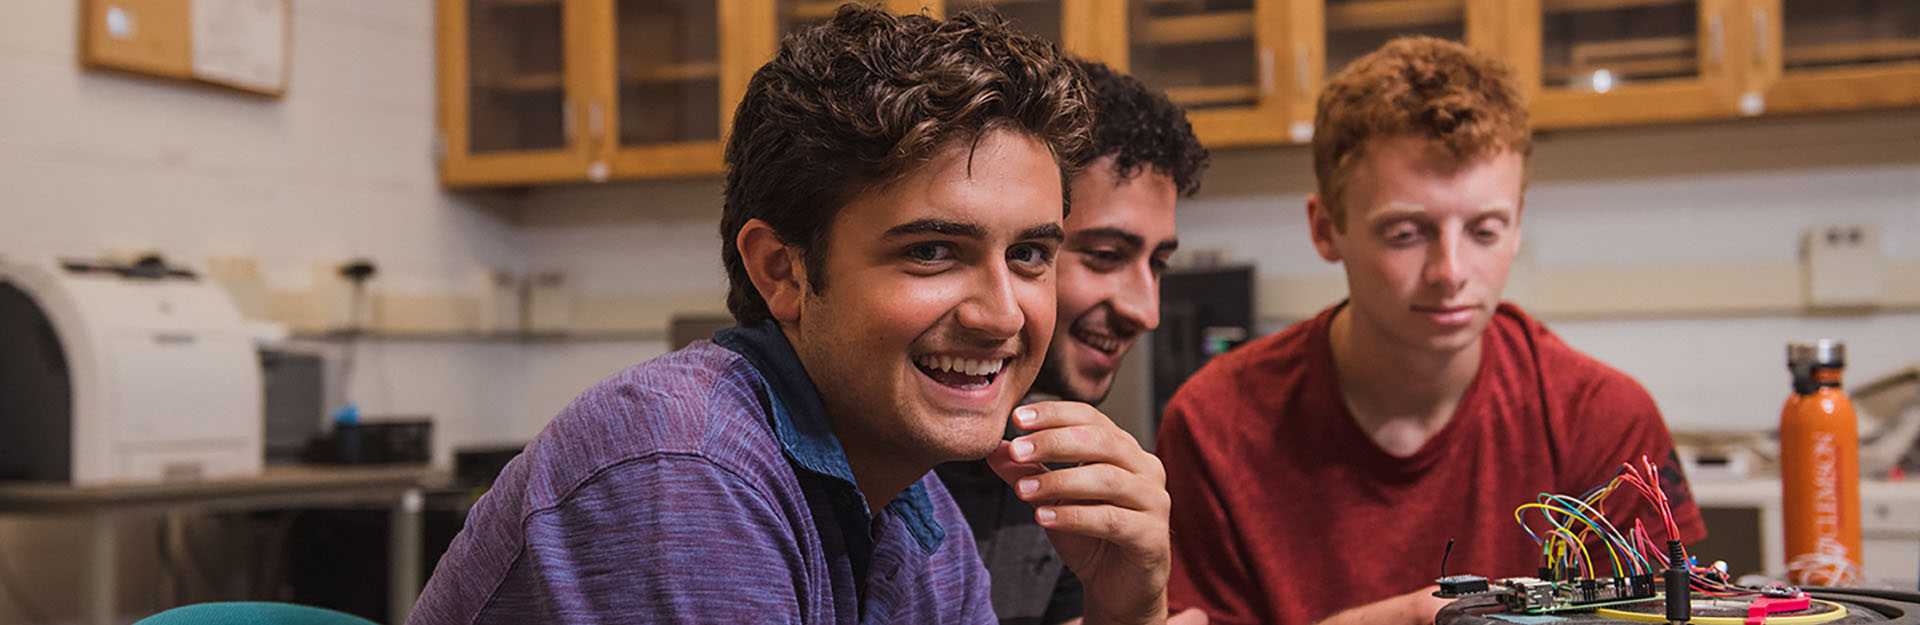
x: 1679, y: 585
x: 1460, y: 586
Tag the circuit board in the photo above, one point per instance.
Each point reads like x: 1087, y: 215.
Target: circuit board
x: 1532, y: 595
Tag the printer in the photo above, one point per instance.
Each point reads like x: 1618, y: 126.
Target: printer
x: 124, y: 372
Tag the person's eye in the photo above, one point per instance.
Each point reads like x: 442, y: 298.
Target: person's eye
x: 1401, y: 234
x: 1033, y: 256
x: 1103, y: 259
x: 930, y: 253
x: 1158, y: 265
x: 1489, y: 231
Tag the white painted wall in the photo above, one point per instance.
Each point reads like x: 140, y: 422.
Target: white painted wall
x: 342, y: 167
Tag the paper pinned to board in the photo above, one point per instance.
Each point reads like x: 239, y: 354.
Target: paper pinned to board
x: 241, y: 43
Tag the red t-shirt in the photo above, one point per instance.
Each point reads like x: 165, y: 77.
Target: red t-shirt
x: 1286, y: 512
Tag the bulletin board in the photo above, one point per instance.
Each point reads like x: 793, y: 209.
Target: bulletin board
x: 238, y: 44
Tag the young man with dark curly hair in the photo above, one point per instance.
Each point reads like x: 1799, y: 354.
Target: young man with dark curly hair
x: 1118, y: 238
x: 1325, y: 468
x: 894, y: 201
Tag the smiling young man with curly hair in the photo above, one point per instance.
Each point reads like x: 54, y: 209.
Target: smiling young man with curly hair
x: 894, y: 201
x: 1144, y: 156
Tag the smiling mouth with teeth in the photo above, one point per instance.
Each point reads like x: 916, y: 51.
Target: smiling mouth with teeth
x: 961, y: 373
x: 1100, y: 342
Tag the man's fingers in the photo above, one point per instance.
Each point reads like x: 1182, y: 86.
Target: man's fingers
x: 1082, y: 444
x: 1053, y: 414
x: 1093, y: 484
x: 1010, y: 470
x: 1132, y: 530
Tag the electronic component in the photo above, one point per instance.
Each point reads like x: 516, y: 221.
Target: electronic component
x: 1454, y: 586
x: 1532, y: 595
x: 1781, y: 591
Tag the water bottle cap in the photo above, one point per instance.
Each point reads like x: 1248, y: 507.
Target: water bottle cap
x: 1821, y: 353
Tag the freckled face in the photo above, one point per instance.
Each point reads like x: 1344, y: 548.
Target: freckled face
x: 1428, y: 242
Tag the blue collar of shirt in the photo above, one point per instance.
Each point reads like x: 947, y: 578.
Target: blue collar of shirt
x: 806, y: 436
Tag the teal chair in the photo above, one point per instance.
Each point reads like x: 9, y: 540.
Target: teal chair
x: 252, y: 613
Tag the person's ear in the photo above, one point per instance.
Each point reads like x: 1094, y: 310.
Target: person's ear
x: 1322, y: 227
x: 775, y: 268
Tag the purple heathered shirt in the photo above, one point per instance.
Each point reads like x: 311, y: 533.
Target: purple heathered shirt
x: 665, y: 495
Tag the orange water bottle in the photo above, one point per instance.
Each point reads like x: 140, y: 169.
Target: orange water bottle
x: 1820, y: 469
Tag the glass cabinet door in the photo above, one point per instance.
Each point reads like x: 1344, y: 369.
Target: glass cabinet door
x: 515, y: 73
x: 1356, y: 27
x: 1596, y: 46
x: 507, y: 90
x: 1216, y: 58
x: 794, y: 15
x: 1204, y: 53
x: 1836, y: 54
x: 1040, y: 18
x: 1831, y: 34
x: 1624, y: 61
x: 667, y: 71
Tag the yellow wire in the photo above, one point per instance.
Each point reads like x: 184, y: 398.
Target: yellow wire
x: 1570, y: 541
x: 1839, y: 612
x: 1575, y: 540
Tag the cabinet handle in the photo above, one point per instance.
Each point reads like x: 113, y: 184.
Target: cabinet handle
x: 593, y: 120
x: 1300, y: 60
x: 1760, y: 37
x: 1716, y: 42
x: 1266, y: 71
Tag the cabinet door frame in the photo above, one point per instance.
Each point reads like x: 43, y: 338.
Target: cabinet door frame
x: 1103, y: 37
x: 745, y: 39
x: 459, y: 166
x: 1483, y: 26
x: 1710, y: 96
x: 1769, y: 88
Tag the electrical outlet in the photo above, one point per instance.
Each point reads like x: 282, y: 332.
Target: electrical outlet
x: 1841, y: 267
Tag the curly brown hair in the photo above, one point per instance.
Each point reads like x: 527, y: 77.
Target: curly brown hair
x: 1463, y: 101
x: 1141, y: 128
x: 865, y: 98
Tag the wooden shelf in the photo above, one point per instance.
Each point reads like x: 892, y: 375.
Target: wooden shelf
x: 524, y: 82
x: 1596, y: 53
x: 1586, y: 6
x: 1852, y: 52
x: 1626, y: 71
x: 1188, y: 29
x: 521, y: 3
x: 812, y: 9
x: 684, y: 72
x: 1394, y: 13
x: 1193, y: 97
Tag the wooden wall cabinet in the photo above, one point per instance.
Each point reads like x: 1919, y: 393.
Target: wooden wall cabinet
x: 1831, y: 55
x: 554, y: 91
x: 1609, y: 62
